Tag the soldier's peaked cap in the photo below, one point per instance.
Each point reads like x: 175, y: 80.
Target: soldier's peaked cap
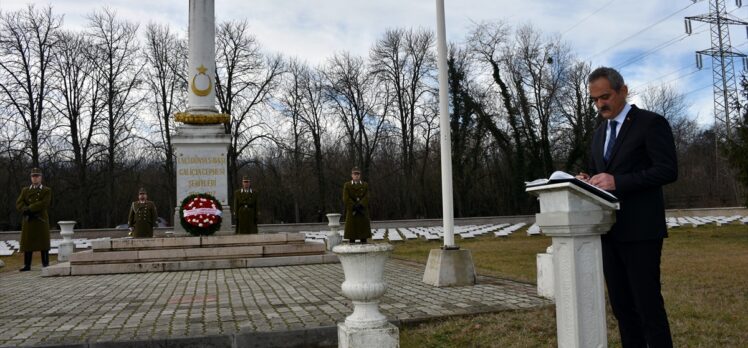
x: 245, y: 178
x: 355, y: 170
x: 142, y: 190
x: 36, y: 171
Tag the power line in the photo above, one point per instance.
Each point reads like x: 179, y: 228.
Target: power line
x: 698, y: 89
x: 641, y: 31
x: 642, y: 86
x: 655, y: 49
x: 587, y: 17
x: 689, y: 65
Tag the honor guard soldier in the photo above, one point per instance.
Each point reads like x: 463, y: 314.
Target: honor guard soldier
x: 245, y: 205
x: 33, y: 203
x: 142, y: 217
x: 356, y: 200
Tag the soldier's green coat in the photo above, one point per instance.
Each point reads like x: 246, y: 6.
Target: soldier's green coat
x: 357, y: 226
x: 142, y: 219
x: 245, y: 206
x: 35, y: 227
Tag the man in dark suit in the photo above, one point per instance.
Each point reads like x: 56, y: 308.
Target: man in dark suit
x: 33, y: 203
x: 633, y: 156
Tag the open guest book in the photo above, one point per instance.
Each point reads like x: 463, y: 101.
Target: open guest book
x: 560, y: 177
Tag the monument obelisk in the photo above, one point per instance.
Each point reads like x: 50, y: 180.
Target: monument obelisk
x: 200, y: 141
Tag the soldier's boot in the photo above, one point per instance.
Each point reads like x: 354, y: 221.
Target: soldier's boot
x: 26, y: 262
x: 45, y: 258
x: 363, y: 241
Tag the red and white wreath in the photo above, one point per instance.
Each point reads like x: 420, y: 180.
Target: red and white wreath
x: 200, y: 214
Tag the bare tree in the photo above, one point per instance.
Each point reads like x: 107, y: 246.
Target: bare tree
x: 303, y: 103
x: 27, y: 39
x: 292, y: 104
x: 245, y: 82
x: 166, y: 58
x: 117, y: 67
x: 313, y: 117
x: 673, y: 105
x: 359, y: 103
x: 580, y: 117
x: 403, y: 60
x: 77, y: 99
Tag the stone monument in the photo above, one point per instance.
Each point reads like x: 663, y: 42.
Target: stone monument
x: 200, y: 142
x: 575, y: 217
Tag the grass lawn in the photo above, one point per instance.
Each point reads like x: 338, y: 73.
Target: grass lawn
x: 705, y: 286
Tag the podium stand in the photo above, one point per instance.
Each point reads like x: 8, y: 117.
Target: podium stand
x: 575, y: 217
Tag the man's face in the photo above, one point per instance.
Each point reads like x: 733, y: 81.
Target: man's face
x: 356, y: 176
x: 245, y: 184
x: 142, y: 196
x: 608, y: 101
x: 36, y: 179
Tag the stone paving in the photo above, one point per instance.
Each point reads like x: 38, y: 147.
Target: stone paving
x: 171, y: 305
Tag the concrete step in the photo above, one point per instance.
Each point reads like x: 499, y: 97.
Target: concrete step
x: 66, y: 269
x: 125, y: 244
x: 100, y: 256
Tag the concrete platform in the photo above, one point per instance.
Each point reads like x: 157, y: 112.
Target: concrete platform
x: 291, y: 306
x: 114, y: 256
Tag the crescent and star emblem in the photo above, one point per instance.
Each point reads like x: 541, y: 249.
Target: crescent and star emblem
x: 201, y: 92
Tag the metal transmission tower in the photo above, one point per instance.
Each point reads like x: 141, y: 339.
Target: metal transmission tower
x: 726, y: 107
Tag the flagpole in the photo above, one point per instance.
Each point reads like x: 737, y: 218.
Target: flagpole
x: 444, y: 129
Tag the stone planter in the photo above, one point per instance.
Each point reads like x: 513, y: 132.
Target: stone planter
x: 333, y: 237
x: 67, y: 246
x: 363, y: 265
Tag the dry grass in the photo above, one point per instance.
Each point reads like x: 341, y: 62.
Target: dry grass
x: 705, y: 285
x: 14, y: 262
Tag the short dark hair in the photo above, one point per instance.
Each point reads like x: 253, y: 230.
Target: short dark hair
x: 612, y: 75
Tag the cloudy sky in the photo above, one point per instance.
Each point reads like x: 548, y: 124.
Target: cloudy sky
x: 644, y: 39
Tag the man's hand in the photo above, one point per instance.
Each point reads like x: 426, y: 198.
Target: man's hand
x: 583, y: 176
x: 604, y: 181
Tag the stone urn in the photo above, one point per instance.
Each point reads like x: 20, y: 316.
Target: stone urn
x: 333, y: 237
x: 66, y: 246
x: 363, y: 265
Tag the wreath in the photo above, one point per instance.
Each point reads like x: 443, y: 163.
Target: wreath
x: 200, y: 214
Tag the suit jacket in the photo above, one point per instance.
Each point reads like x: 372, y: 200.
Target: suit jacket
x: 642, y: 160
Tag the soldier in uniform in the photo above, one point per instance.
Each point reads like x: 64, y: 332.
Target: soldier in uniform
x: 33, y: 203
x: 245, y: 206
x: 142, y: 217
x: 356, y: 200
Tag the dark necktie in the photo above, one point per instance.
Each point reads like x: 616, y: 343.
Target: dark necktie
x: 611, y: 140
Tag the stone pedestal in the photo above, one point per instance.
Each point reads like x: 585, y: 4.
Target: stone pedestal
x: 333, y: 237
x: 67, y: 246
x: 576, y: 218
x: 447, y: 267
x: 201, y: 152
x: 363, y: 265
x: 545, y: 273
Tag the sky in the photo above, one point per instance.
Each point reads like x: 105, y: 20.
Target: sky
x: 644, y: 39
